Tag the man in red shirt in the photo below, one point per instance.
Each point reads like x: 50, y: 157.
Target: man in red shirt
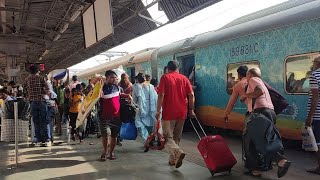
x: 173, y: 94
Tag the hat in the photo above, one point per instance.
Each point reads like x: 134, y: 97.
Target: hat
x: 242, y: 70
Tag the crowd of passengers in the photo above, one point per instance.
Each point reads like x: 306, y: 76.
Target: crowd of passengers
x: 172, y: 101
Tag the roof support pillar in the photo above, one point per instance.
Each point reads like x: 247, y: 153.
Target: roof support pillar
x: 3, y: 16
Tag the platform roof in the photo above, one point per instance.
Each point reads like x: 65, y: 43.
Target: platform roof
x: 50, y: 31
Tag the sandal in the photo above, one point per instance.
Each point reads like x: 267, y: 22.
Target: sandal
x: 103, y: 157
x: 283, y: 170
x: 112, y: 156
x: 314, y: 171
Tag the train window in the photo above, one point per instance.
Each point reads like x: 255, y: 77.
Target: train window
x: 232, y: 74
x: 297, y: 71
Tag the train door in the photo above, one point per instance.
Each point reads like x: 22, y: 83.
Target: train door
x: 132, y: 73
x: 186, y: 66
x: 186, y: 63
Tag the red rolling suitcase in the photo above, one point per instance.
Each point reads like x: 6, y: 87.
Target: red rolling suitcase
x: 215, y: 152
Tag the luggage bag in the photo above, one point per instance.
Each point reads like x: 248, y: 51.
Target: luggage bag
x: 215, y: 152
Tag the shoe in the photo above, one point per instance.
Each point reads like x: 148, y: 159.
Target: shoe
x: 250, y: 173
x: 146, y: 150
x: 119, y: 144
x: 180, y: 158
x: 73, y: 138
x: 48, y: 144
x: 314, y: 171
x: 283, y: 170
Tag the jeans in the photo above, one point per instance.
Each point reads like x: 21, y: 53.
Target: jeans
x: 269, y: 113
x: 65, y: 118
x: 50, y: 116
x: 39, y: 115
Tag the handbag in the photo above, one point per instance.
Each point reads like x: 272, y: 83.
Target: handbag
x: 155, y: 140
x: 128, y: 131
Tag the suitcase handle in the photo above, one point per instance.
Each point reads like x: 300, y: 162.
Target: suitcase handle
x: 190, y: 119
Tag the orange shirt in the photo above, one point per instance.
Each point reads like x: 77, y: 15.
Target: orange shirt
x: 75, y: 103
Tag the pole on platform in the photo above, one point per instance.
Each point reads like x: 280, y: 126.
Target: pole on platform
x: 16, y: 131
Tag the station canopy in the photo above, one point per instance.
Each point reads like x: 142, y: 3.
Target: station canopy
x: 51, y: 32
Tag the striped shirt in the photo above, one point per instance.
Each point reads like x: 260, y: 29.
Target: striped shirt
x: 314, y: 81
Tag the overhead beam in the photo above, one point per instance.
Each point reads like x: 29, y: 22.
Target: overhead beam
x: 53, y: 3
x: 33, y: 12
x: 23, y: 36
x: 76, y: 2
x: 65, y: 15
x: 183, y: 4
x: 32, y: 27
x: 149, y: 19
x: 42, y: 29
x: 137, y: 13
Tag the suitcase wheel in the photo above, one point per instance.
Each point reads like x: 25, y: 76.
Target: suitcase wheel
x: 212, y: 173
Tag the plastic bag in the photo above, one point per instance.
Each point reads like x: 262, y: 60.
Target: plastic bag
x: 128, y: 131
x: 308, y: 140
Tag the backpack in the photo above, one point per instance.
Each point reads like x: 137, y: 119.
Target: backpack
x: 278, y: 101
x: 128, y: 110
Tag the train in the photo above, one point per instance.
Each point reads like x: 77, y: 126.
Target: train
x: 281, y: 40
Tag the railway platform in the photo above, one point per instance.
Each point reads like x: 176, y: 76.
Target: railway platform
x: 68, y: 161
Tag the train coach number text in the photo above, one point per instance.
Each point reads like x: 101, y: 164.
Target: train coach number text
x: 245, y: 49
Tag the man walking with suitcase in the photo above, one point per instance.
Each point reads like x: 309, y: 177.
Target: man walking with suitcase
x: 173, y: 94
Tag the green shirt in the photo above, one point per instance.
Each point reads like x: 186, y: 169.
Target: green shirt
x: 60, y: 95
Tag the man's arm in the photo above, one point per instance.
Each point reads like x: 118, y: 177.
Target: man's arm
x: 191, y: 98
x: 314, y: 99
x: 159, y: 105
x: 231, y: 103
x: 256, y: 93
x: 191, y: 105
x: 45, y: 86
x: 67, y: 81
x: 314, y: 104
x: 161, y: 95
